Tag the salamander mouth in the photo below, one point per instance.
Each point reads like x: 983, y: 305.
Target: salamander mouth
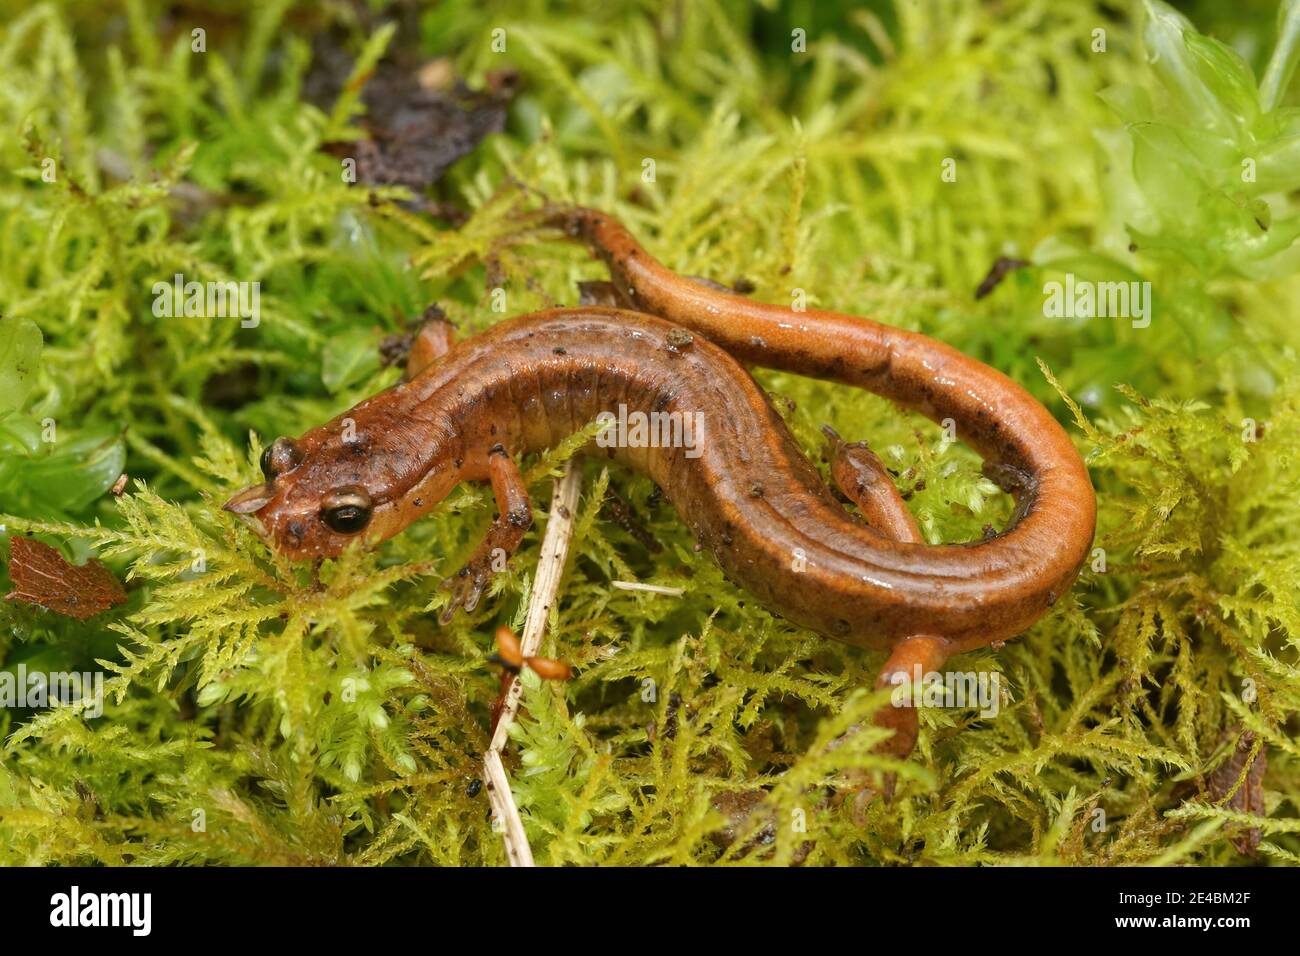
x: 258, y: 528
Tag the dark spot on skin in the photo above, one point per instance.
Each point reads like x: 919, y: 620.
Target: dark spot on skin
x: 520, y: 518
x: 755, y: 490
x: 497, y: 449
x: 560, y: 350
x: 296, y: 530
x: 1051, y: 598
x: 458, y: 462
x: 841, y: 627
x: 419, y: 502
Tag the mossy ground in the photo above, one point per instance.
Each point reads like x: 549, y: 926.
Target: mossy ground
x: 336, y: 722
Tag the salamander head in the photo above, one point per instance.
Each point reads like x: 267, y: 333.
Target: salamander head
x: 334, y: 486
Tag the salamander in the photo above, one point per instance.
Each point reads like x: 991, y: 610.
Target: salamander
x: 671, y: 344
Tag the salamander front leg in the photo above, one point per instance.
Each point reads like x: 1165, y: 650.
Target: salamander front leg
x: 514, y: 517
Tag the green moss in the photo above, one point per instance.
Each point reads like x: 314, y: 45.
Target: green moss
x: 329, y: 719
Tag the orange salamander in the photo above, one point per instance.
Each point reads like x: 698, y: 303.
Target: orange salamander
x: 468, y: 409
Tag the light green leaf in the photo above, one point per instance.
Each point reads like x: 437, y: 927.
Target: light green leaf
x: 80, y: 470
x: 1174, y: 64
x: 1277, y: 75
x: 1225, y: 74
x: 20, y: 354
x: 348, y: 358
x: 1277, y: 164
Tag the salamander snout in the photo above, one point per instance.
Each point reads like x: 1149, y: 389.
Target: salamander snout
x: 281, y: 456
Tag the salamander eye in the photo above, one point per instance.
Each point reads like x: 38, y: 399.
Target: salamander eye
x: 280, y: 456
x: 346, y: 511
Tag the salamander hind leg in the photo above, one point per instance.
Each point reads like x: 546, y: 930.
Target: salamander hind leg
x: 514, y: 518
x: 865, y: 481
x: 862, y: 478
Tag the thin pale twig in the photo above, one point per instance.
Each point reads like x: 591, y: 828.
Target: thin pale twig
x: 503, y: 808
x: 546, y: 585
x: 651, y: 588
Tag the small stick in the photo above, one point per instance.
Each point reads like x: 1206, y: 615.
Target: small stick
x: 546, y: 585
x: 652, y: 588
x: 503, y: 807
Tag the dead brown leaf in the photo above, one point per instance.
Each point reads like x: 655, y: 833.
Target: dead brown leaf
x: 42, y: 576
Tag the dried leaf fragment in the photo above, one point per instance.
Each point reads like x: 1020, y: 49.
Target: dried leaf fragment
x: 42, y: 576
x: 421, y: 118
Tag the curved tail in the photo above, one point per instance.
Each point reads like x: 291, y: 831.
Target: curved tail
x: 1008, y: 581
